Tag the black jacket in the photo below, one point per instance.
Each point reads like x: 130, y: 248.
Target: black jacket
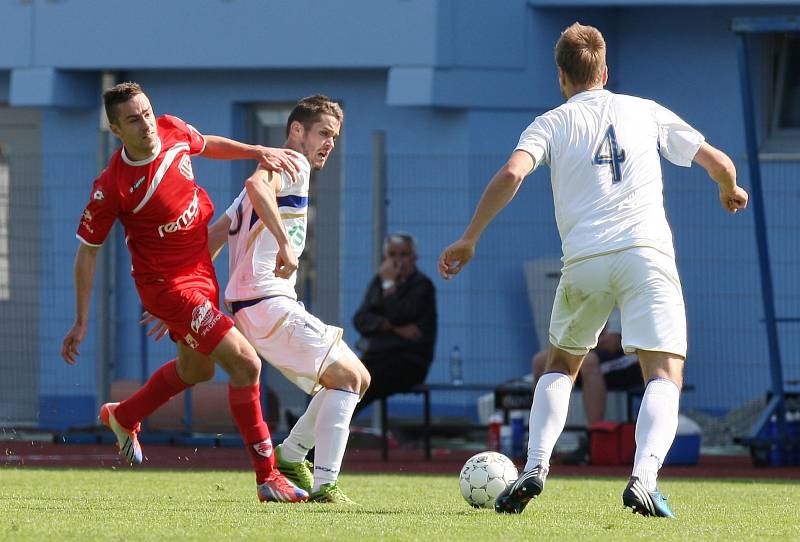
x: 414, y: 301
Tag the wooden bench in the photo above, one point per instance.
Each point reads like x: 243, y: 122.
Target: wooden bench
x: 425, y: 390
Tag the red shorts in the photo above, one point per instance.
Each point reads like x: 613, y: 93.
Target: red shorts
x: 189, y: 305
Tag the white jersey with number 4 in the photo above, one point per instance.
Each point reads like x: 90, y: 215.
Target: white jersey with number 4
x: 603, y: 152
x: 252, y: 249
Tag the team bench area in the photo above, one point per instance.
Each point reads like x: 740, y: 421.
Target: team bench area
x: 516, y: 395
x: 428, y: 429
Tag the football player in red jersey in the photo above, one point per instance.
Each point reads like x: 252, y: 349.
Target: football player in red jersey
x: 149, y: 186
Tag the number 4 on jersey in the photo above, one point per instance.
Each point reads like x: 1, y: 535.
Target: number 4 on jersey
x: 609, y: 153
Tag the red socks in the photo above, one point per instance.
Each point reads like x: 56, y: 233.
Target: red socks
x: 245, y: 406
x: 162, y: 386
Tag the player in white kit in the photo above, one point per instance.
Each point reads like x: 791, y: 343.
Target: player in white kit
x: 261, y: 294
x: 603, y: 152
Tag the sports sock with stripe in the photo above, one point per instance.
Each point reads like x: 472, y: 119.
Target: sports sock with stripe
x: 301, y: 437
x: 333, y: 430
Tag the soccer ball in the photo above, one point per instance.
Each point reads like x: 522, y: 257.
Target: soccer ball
x: 484, y: 476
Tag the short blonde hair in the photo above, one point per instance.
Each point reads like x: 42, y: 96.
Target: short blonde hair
x: 581, y: 54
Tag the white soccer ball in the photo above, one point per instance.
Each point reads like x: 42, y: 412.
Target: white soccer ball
x: 484, y: 476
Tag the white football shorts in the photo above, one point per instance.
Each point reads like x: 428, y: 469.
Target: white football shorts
x: 292, y: 340
x: 642, y: 281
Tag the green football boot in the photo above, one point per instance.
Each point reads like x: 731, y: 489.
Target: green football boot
x: 300, y: 474
x: 330, y: 493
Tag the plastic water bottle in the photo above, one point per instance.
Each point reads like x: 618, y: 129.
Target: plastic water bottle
x: 456, y: 367
x: 493, y: 440
x: 517, y: 433
x: 505, y: 441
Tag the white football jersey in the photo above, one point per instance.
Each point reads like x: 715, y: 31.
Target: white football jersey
x: 603, y: 152
x: 252, y: 249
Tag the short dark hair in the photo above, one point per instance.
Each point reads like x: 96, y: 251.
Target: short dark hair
x: 581, y: 54
x: 119, y: 94
x: 311, y: 108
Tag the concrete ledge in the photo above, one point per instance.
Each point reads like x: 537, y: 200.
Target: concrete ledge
x: 48, y: 87
x: 411, y: 86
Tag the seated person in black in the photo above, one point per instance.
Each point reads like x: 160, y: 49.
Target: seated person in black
x: 397, y: 322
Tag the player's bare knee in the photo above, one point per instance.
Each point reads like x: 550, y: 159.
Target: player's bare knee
x: 239, y: 359
x: 366, y: 380
x: 661, y: 365
x: 199, y: 372
x: 561, y: 361
x: 243, y: 368
x: 345, y: 371
x: 250, y: 368
x: 538, y: 363
x: 194, y: 367
x: 341, y: 376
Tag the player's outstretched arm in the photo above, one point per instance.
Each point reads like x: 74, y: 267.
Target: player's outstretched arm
x: 262, y: 188
x: 222, y: 148
x: 721, y: 169
x: 218, y: 235
x: 499, y: 192
x: 85, y: 265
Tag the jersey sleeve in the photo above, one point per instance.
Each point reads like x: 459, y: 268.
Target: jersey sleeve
x: 536, y: 140
x: 232, y: 209
x: 99, y: 214
x: 677, y: 141
x: 289, y: 186
x: 286, y: 181
x: 196, y: 141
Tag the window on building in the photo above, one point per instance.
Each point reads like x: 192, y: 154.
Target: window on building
x: 5, y: 193
x: 788, y: 105
x: 783, y: 123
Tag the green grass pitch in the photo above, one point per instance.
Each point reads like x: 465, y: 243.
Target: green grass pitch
x: 126, y: 504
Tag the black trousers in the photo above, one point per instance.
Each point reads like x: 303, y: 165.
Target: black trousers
x: 390, y: 374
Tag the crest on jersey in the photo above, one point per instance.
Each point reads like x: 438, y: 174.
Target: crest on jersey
x: 98, y: 195
x: 297, y: 235
x: 185, y: 167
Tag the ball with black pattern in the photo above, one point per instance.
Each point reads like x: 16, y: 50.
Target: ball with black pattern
x: 484, y: 476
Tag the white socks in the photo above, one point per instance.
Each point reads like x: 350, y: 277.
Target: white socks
x: 548, y: 417
x: 656, y: 426
x: 332, y: 429
x: 302, y: 436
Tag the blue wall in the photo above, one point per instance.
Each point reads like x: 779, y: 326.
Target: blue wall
x: 69, y: 163
x: 453, y: 83
x: 217, y: 33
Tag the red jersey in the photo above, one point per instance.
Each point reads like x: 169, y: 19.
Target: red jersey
x: 164, y: 212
